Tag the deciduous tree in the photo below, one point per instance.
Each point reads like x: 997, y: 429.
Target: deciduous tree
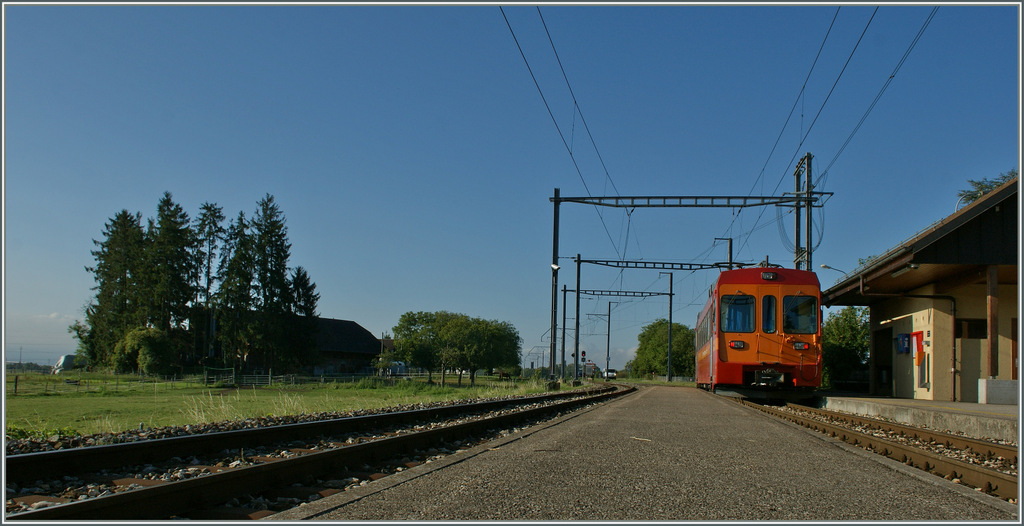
x: 652, y: 351
x: 845, y: 344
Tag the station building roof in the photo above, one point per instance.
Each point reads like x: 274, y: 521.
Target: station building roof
x: 952, y: 252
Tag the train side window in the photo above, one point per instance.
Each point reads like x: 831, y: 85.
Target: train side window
x: 737, y: 313
x: 768, y: 304
x: 799, y: 314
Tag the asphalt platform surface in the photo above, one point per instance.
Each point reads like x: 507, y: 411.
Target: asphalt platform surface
x: 660, y: 454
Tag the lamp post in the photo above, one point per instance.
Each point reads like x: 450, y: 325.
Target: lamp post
x: 833, y: 268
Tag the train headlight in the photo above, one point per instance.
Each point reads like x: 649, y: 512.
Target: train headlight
x: 737, y: 344
x: 800, y: 346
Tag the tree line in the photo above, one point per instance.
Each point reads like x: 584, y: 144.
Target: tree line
x: 445, y: 341
x: 179, y: 294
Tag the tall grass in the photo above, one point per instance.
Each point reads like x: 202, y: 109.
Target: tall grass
x: 158, y: 404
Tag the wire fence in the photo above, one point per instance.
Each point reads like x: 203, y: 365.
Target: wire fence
x: 27, y: 383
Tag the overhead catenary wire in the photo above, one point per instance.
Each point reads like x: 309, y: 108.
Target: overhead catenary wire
x: 821, y: 108
x: 551, y: 114
x: 771, y: 153
x: 590, y: 135
x: 597, y: 151
x: 823, y: 176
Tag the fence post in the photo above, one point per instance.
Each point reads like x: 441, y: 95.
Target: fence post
x: 15, y: 384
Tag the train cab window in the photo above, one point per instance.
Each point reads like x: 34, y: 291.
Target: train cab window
x: 737, y: 313
x: 768, y: 304
x: 800, y: 314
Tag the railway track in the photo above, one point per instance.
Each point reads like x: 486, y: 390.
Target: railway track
x: 281, y: 465
x: 961, y: 459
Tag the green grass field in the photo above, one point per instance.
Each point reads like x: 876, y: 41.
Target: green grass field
x: 88, y: 403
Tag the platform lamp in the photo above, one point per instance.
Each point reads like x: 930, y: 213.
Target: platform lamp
x: 833, y: 268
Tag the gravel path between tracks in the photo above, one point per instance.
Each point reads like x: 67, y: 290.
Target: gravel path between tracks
x: 662, y: 453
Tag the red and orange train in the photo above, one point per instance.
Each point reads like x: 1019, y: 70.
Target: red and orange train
x: 759, y: 335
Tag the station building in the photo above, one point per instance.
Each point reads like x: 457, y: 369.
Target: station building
x: 944, y: 306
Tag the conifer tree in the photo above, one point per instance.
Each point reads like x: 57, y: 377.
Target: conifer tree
x: 209, y: 233
x: 234, y: 299
x: 271, y: 251
x: 302, y: 326
x: 117, y: 307
x: 169, y: 266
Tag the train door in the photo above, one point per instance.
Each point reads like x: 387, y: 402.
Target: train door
x: 769, y: 345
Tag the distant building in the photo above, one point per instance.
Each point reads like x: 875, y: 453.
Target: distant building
x: 944, y: 306
x: 345, y: 347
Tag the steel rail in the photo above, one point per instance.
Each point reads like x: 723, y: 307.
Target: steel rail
x: 58, y: 463
x: 981, y: 447
x: 997, y: 483
x: 177, y: 498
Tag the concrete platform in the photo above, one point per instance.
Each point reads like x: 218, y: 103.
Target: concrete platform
x: 991, y: 421
x: 660, y: 454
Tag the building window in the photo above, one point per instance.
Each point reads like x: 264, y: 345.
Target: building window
x: 971, y: 329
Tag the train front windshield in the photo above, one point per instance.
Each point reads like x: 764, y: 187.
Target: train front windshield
x: 737, y: 313
x: 800, y: 315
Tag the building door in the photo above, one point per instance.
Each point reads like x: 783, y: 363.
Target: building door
x: 971, y: 333
x: 881, y: 362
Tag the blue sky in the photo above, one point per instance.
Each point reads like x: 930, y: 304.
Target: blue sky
x: 414, y: 158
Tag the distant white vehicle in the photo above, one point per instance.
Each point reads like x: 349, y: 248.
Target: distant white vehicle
x: 609, y: 374
x: 396, y: 369
x: 64, y: 363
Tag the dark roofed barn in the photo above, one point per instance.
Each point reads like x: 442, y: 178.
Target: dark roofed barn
x: 345, y: 347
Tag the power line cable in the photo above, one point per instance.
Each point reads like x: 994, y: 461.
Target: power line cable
x: 815, y: 120
x: 799, y: 97
x: 557, y: 128
x: 823, y: 177
x: 575, y: 103
x: 586, y: 127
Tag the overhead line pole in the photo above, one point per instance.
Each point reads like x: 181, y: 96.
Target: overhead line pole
x: 562, y: 372
x: 576, y: 343
x: 554, y: 289
x: 668, y: 367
